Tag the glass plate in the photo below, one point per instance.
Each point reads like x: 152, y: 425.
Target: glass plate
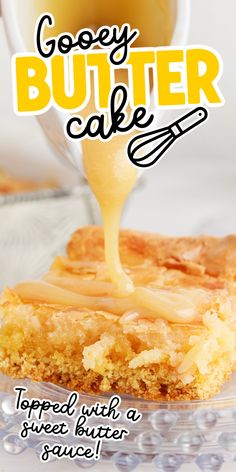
x: 170, y: 434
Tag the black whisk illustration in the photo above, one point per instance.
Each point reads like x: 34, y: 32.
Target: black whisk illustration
x: 145, y: 150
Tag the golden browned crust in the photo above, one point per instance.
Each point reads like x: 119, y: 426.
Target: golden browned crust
x: 194, y: 255
x: 145, y: 383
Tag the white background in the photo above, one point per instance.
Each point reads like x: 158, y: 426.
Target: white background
x: 190, y: 191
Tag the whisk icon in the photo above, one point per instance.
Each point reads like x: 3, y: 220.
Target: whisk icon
x: 146, y: 149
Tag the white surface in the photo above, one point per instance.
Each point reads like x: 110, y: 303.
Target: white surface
x: 194, y: 184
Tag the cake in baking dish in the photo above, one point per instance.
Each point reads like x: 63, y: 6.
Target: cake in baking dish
x: 69, y: 329
x: 10, y: 184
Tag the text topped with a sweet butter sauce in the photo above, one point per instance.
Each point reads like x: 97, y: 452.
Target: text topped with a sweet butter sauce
x: 69, y: 421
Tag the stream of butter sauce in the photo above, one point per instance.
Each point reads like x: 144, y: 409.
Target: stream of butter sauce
x: 111, y: 177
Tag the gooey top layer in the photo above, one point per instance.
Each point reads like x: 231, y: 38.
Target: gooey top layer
x: 182, y: 290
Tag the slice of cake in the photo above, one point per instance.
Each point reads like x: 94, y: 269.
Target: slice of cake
x: 69, y: 329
